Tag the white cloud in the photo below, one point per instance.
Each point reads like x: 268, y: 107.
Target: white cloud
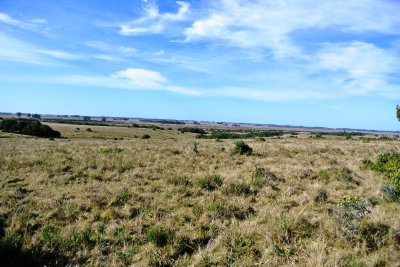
x: 4, y: 18
x: 105, y: 57
x: 269, y: 23
x: 126, y: 50
x: 359, y: 67
x: 159, y: 53
x: 272, y: 95
x: 26, y: 25
x: 142, y: 78
x: 112, y: 50
x: 183, y: 90
x: 60, y: 54
x: 128, y: 79
x: 154, y: 22
x: 15, y: 50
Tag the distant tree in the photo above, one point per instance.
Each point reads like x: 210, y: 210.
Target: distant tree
x: 104, y: 119
x: 18, y: 114
x: 36, y: 116
x: 86, y: 118
x: 28, y: 127
x: 29, y: 115
x: 398, y: 112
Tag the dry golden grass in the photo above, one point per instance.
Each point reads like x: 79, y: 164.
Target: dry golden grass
x: 107, y: 197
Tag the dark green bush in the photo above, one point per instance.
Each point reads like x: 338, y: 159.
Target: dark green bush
x: 242, y: 148
x: 28, y: 127
x: 160, y: 236
x: 238, y: 189
x: 226, y: 134
x: 210, y: 183
x: 390, y: 192
x: 192, y: 130
x: 373, y: 235
x: 145, y: 136
x: 344, y: 174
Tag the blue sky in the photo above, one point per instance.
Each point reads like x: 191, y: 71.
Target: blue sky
x: 312, y: 63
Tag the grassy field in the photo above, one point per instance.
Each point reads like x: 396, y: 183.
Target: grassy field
x: 110, y: 197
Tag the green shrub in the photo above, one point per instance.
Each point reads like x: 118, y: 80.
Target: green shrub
x: 123, y: 197
x: 390, y: 192
x: 238, y: 247
x: 238, y: 189
x: 350, y: 211
x: 366, y: 164
x: 81, y: 238
x: 287, y: 231
x: 179, y: 180
x: 160, y: 236
x: 210, y: 183
x: 242, y: 148
x: 321, y: 196
x: 389, y: 165
x: 324, y: 174
x: 283, y: 252
x: 373, y: 235
x: 51, y: 236
x: 261, y: 176
x: 344, y: 174
x: 192, y: 130
x: 351, y: 208
x: 146, y: 136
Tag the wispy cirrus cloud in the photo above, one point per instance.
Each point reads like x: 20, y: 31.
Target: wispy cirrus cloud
x: 111, y: 49
x: 154, y: 22
x: 269, y: 24
x: 33, y: 24
x: 59, y: 54
x: 360, y: 67
x: 12, y: 49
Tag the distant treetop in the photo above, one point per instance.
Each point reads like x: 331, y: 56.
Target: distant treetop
x: 28, y: 127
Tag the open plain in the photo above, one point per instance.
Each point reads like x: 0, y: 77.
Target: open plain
x: 119, y: 196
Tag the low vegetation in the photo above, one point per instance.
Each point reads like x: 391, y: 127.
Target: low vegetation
x: 224, y: 134
x: 107, y: 197
x: 28, y: 127
x: 192, y: 130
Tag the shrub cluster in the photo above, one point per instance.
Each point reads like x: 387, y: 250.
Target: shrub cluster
x: 210, y: 183
x: 389, y: 165
x: 229, y: 135
x: 28, y: 127
x: 350, y: 211
x: 242, y: 148
x: 192, y: 130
